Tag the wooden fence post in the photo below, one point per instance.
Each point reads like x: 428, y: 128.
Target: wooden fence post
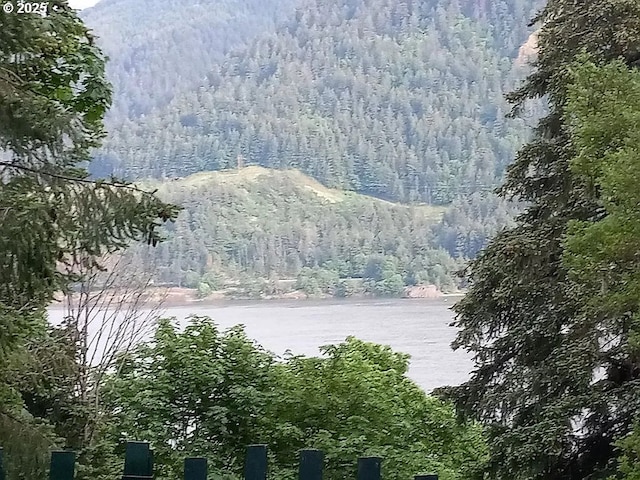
x: 255, y: 465
x: 310, y: 465
x: 425, y: 477
x: 138, y: 462
x: 369, y: 468
x: 2, y: 475
x: 195, y: 468
x: 62, y: 465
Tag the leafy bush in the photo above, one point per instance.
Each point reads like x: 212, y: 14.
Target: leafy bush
x: 209, y: 392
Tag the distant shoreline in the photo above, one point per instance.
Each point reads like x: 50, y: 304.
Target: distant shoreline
x: 176, y: 297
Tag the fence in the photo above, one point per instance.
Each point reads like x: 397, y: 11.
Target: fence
x: 138, y: 465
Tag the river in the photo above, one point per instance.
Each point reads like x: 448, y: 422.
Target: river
x: 419, y: 327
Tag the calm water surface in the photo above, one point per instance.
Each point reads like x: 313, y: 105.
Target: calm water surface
x: 418, y: 327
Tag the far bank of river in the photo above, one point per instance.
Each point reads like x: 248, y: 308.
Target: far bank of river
x: 180, y: 296
x: 419, y: 327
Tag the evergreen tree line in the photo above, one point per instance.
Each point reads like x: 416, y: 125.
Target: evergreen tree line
x: 552, y: 313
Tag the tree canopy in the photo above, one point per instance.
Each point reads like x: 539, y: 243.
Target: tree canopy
x: 203, y: 391
x: 257, y: 227
x: 400, y: 100
x: 53, y: 96
x: 159, y: 49
x: 549, y: 314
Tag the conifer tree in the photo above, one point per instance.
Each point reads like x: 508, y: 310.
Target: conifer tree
x: 555, y: 398
x: 53, y: 96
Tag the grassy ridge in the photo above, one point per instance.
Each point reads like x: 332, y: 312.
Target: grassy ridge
x: 256, y: 228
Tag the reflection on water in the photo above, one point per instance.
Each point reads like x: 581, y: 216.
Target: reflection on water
x: 417, y: 327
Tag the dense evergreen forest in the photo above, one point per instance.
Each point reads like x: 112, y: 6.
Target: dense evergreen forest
x: 401, y: 100
x: 254, y: 227
x: 160, y: 48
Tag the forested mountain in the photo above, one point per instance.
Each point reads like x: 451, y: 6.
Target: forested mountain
x: 551, y: 318
x: 256, y: 225
x: 402, y: 101
x: 159, y: 48
x: 398, y: 99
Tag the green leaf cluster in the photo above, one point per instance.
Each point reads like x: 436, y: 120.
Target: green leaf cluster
x: 603, y: 111
x: 203, y: 391
x: 629, y: 466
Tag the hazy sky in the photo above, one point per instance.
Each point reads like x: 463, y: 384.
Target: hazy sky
x: 82, y: 3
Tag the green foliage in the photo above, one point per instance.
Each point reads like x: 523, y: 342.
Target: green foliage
x: 382, y: 277
x: 191, y: 279
x: 403, y: 102
x: 41, y: 132
x: 51, y: 212
x: 347, y: 288
x: 42, y: 413
x: 170, y: 46
x: 471, y: 221
x: 53, y: 96
x: 555, y: 380
x: 603, y: 113
x: 207, y: 392
x: 204, y: 290
x: 27, y: 443
x: 314, y: 281
x: 629, y: 466
x: 356, y: 401
x: 198, y: 392
x: 212, y: 280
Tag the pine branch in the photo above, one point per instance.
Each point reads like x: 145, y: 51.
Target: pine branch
x: 76, y: 179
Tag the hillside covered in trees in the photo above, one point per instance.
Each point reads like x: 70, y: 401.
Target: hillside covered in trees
x: 159, y: 48
x: 400, y: 100
x: 267, y: 232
